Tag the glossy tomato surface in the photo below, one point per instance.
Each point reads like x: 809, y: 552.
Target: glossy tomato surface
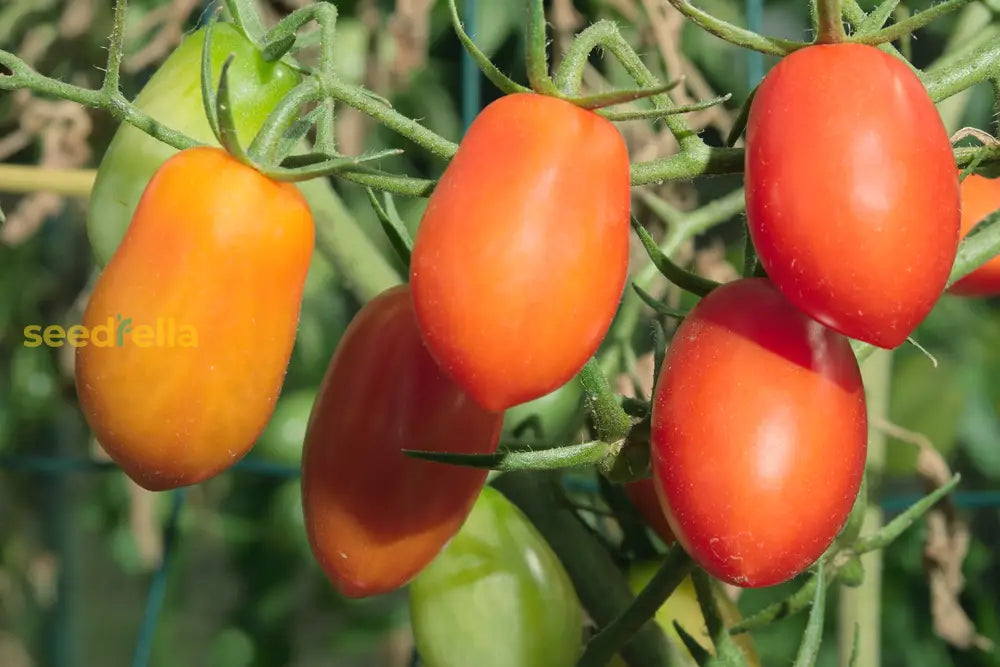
x: 852, y: 195
x: 192, y: 322
x: 520, y: 258
x: 642, y: 493
x: 980, y: 197
x: 172, y: 96
x: 496, y: 596
x: 375, y: 517
x: 759, y: 435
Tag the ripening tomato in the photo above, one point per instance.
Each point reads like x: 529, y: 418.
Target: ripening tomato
x: 980, y: 197
x: 374, y: 516
x: 496, y: 596
x: 642, y: 493
x: 172, y: 96
x: 520, y: 258
x: 759, y: 435
x: 189, y: 329
x: 852, y: 196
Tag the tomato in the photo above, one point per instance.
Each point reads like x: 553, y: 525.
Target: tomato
x: 852, y: 197
x: 173, y: 97
x: 549, y: 421
x: 496, y: 596
x: 759, y: 435
x: 190, y: 326
x: 980, y: 197
x: 642, y: 493
x: 520, y: 258
x: 375, y: 517
x: 281, y: 441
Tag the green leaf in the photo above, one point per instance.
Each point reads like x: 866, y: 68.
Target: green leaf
x: 660, y: 113
x: 854, y: 646
x: 897, y: 526
x: 495, y: 76
x: 697, y: 651
x: 809, y: 648
x: 393, y: 226
x: 978, y: 247
x: 245, y: 16
x: 570, y: 456
x: 877, y: 17
x: 740, y: 124
x: 207, y: 85
x: 675, y: 274
x: 658, y: 306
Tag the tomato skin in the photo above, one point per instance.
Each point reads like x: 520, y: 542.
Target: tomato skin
x: 219, y: 247
x: 521, y: 256
x: 759, y: 435
x: 497, y: 573
x: 172, y: 96
x: 642, y: 493
x: 980, y: 197
x: 852, y: 196
x: 374, y: 516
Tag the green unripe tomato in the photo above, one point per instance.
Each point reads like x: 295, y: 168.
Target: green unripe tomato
x: 549, y: 421
x: 281, y: 442
x: 173, y: 97
x: 496, y: 596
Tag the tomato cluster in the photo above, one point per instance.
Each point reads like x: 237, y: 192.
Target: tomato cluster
x: 758, y: 427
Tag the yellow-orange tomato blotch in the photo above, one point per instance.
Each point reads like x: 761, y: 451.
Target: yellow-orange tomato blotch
x: 202, y: 302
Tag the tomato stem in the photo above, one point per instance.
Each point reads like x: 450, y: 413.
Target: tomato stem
x: 536, y: 56
x: 830, y: 22
x: 495, y: 76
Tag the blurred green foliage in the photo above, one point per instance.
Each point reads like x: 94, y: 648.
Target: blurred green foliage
x: 77, y: 550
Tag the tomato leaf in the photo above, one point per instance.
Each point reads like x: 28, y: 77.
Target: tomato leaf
x: 641, y: 114
x: 854, y: 646
x: 793, y: 604
x: 978, y: 247
x: 809, y: 648
x: 687, y: 281
x: 897, y: 526
x: 877, y: 17
x: 740, y: 123
x: 697, y: 651
x: 658, y: 306
x: 207, y: 84
x: 245, y: 16
x: 393, y: 226
x: 587, y: 453
x: 495, y: 76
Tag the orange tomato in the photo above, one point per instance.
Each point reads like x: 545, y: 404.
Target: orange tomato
x: 980, y: 197
x: 521, y: 256
x: 376, y: 517
x: 189, y: 329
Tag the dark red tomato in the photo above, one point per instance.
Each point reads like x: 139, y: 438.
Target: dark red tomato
x: 643, y: 495
x: 520, y: 258
x: 374, y: 516
x: 759, y: 435
x: 980, y: 197
x: 852, y: 197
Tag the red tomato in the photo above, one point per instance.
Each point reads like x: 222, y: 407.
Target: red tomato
x: 642, y: 493
x: 191, y: 324
x: 520, y: 258
x: 374, y: 516
x: 852, y: 197
x: 759, y: 435
x: 980, y: 197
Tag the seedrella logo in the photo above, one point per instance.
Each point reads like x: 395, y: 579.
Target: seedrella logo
x: 119, y: 331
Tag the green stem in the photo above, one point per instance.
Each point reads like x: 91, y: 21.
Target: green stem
x: 610, y: 639
x: 570, y: 456
x: 830, y: 22
x: 116, y: 49
x: 598, y: 581
x: 537, y: 58
x: 356, y: 97
x: 326, y: 15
